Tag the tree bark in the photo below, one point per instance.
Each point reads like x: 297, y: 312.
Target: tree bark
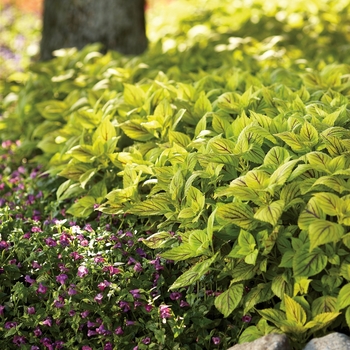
x: 117, y: 24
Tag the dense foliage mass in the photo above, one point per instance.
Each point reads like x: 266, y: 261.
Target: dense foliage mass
x: 208, y: 177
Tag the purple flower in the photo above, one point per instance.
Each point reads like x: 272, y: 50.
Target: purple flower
x: 71, y: 313
x: 72, y: 290
x: 135, y: 293
x: 10, y: 324
x: 141, y: 252
x: 184, y: 303
x: 99, y: 259
x: 108, y: 346
x: 2, y: 307
x: 82, y: 271
x: 119, y: 331
x: 112, y: 270
x: 58, y: 344
x: 98, y: 298
x: 246, y: 318
x: 88, y: 228
x: 137, y: 304
x: 86, y: 347
x: 65, y: 240
x: 37, y: 332
x: 76, y: 256
x: 50, y: 242
x: 58, y: 304
x: 129, y: 323
x: 84, y: 243
x: 46, y: 342
x: 157, y: 265
x: 124, y: 306
x: 28, y: 279
x: 146, y: 340
x: 62, y: 278
x: 91, y: 333
x: 36, y: 229
x: 148, y: 308
x: 175, y: 295
x: 91, y: 324
x: 138, y: 267
x: 103, y: 285
x: 85, y: 313
x: 31, y: 310
x: 216, y: 340
x: 36, y: 265
x: 34, y: 347
x: 4, y: 245
x: 19, y: 340
x: 164, y: 311
x: 41, y: 289
x: 47, y: 322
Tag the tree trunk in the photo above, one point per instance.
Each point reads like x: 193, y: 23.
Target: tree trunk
x: 117, y: 24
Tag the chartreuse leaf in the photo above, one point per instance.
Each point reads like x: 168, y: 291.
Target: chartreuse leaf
x: 333, y: 182
x: 281, y: 285
x: 182, y: 252
x: 256, y: 179
x: 318, y: 158
x: 237, y: 213
x: 277, y: 317
x: 74, y: 171
x: 311, y: 213
x: 105, y: 130
x: 157, y: 240
x: 220, y: 124
x: 198, y: 240
x: 262, y: 292
x: 228, y: 301
x: 323, y: 231
x: 309, y: 134
x: 221, y: 146
x: 270, y: 213
x: 243, y: 271
x: 195, y: 198
x: 294, y: 141
x: 321, y: 320
x: 281, y: 174
x: 294, y: 311
x: 82, y: 153
x: 343, y: 299
x: 136, y: 131
x: 176, y: 187
x: 202, y: 105
x: 246, y: 247
x: 180, y: 138
x: 276, y: 156
x: 301, y: 285
x: 156, y: 206
x: 134, y: 95
x: 194, y: 273
x: 83, y: 207
x: 323, y: 304
x: 238, y: 188
x: 254, y: 332
x: 306, y: 263
x: 330, y: 203
x: 347, y: 316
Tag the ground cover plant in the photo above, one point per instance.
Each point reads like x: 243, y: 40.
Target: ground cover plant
x: 195, y: 196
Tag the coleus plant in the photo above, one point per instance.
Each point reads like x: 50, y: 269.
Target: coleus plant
x: 250, y: 164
